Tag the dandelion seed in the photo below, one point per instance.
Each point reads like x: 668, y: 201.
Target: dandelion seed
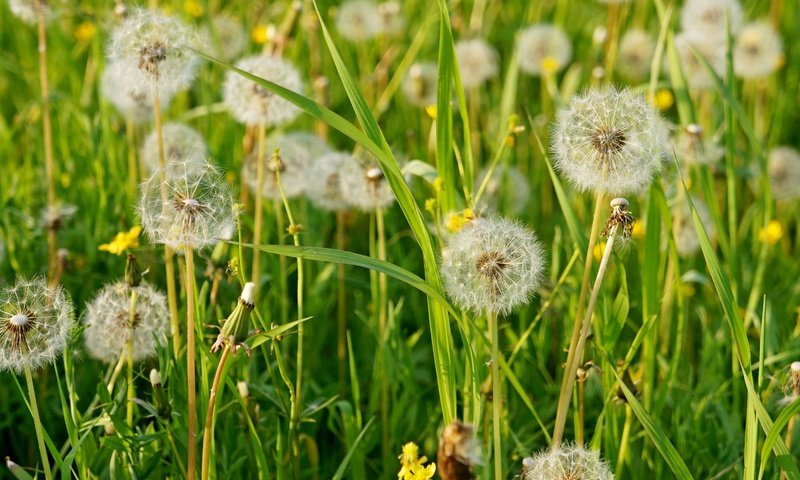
x: 543, y: 45
x: 695, y: 72
x: 420, y: 84
x: 636, y: 51
x: 477, y: 62
x: 608, y: 141
x: 567, y: 462
x: 707, y: 18
x: 35, y: 321
x: 492, y: 265
x: 252, y: 104
x: 184, y: 147
x: 783, y: 168
x: 324, y: 187
x: 758, y: 51
x: 228, y: 39
x: 28, y: 10
x: 364, y: 186
x: 687, y: 243
x: 694, y: 148
x: 132, y: 101
x: 459, y: 452
x: 507, y: 186
x: 197, y: 213
x: 108, y: 326
x: 358, y: 20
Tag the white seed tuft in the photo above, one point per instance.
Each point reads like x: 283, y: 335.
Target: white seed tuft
x: 28, y: 10
x: 783, y: 168
x: 133, y: 101
x: 363, y: 186
x: 324, y: 188
x: 420, y: 84
x: 708, y: 18
x: 636, y: 51
x: 183, y: 147
x: 687, y: 243
x: 693, y: 147
x: 477, y: 62
x: 226, y: 39
x: 541, y: 44
x: 695, y: 72
x: 359, y: 20
x: 758, y: 51
x: 566, y: 462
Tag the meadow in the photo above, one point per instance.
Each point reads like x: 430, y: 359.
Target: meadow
x: 452, y: 239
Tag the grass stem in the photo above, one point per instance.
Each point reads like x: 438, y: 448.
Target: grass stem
x: 37, y: 423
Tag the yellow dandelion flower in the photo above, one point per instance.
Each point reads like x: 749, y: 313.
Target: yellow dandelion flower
x: 85, y: 31
x: 662, y: 100
x: 638, y: 230
x: 550, y: 65
x: 597, y: 253
x: 430, y: 205
x: 193, y: 8
x: 418, y: 471
x: 259, y: 34
x: 432, y: 111
x: 123, y: 241
x: 438, y: 183
x: 772, y: 233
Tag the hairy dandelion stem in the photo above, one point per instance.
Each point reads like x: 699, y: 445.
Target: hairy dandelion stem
x: 37, y: 423
x: 129, y: 353
x: 190, y: 369
x: 208, y: 432
x: 497, y: 396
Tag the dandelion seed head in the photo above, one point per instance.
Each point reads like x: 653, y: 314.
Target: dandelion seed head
x: 783, y: 168
x: 132, y: 101
x: 693, y: 147
x: 231, y: 39
x: 477, y: 61
x: 391, y: 15
x: 108, y: 325
x: 543, y: 45
x: 359, y: 20
x: 420, y: 84
x: 608, y: 141
x: 492, y: 265
x: 324, y: 187
x: 507, y: 186
x: 28, y: 10
x: 35, y: 322
x: 687, y: 243
x: 252, y: 104
x: 695, y: 72
x: 636, y: 51
x: 567, y: 462
x: 707, y: 17
x: 758, y: 51
x: 363, y: 185
x: 184, y: 147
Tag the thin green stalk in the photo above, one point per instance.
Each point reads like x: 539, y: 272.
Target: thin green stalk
x: 37, y: 423
x: 49, y: 165
x: 190, y: 368
x: 341, y: 308
x: 212, y: 399
x: 497, y: 396
x: 259, y: 206
x: 623, y: 443
x: 382, y: 311
x: 129, y: 353
x: 133, y: 167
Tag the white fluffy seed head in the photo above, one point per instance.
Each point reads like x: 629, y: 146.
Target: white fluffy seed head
x: 154, y: 49
x: 783, y: 168
x: 197, y: 212
x: 477, y: 61
x: 28, y: 10
x: 609, y: 141
x: 226, y: 37
x: 35, y: 322
x: 324, y: 188
x: 693, y: 147
x: 108, y: 326
x: 707, y: 18
x: 687, y: 243
x: 420, y: 84
x: 132, y: 101
x: 297, y: 150
x: 492, y: 266
x: 795, y: 367
x: 358, y: 20
x: 636, y: 51
x: 184, y: 147
x: 566, y: 462
x: 543, y: 44
x: 713, y: 52
x: 252, y: 104
x: 758, y: 51
x: 392, y: 20
x: 507, y: 190
x: 363, y: 185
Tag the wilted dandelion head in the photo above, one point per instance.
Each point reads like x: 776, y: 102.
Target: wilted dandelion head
x: 707, y: 17
x: 507, y: 188
x: 358, y: 20
x: 459, y: 452
x: 296, y: 150
x: 783, y: 168
x: 184, y: 147
x: 363, y: 185
x: 28, y: 10
x: 252, y: 104
x: 608, y: 141
x: 54, y: 216
x: 226, y: 37
x: 420, y: 84
x: 793, y: 385
x: 758, y: 51
x: 154, y: 49
x: 687, y: 243
x: 392, y: 19
x: 35, y: 321
x: 543, y: 48
x: 133, y: 101
x: 636, y: 51
x: 693, y: 147
x: 694, y: 71
x: 567, y: 462
x: 324, y: 188
x: 477, y: 61
x: 109, y: 327
x: 492, y: 265
x: 197, y: 211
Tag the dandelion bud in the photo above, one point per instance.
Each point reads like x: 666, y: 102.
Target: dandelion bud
x: 459, y: 452
x: 235, y: 328
x: 155, y: 378
x: 608, y: 141
x: 183, y: 147
x: 758, y: 51
x: 783, y: 168
x: 477, y: 62
x: 707, y: 18
x: 28, y: 10
x: 252, y: 104
x: 420, y: 84
x: 197, y: 212
x: 636, y: 50
x: 358, y: 20
x: 324, y: 188
x: 507, y: 188
x: 492, y: 265
x: 364, y: 186
x: 35, y: 321
x: 543, y: 48
x: 133, y: 276
x: 687, y: 243
x: 566, y: 462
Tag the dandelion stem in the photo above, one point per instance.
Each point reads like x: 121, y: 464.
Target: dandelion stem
x: 624, y: 440
x: 190, y: 370
x: 259, y: 206
x: 129, y: 352
x: 382, y: 312
x: 341, y: 307
x: 212, y: 399
x: 49, y: 166
x: 133, y: 170
x: 37, y: 423
x: 497, y: 396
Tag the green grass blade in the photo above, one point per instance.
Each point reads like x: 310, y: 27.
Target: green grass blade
x: 343, y: 466
x: 444, y: 111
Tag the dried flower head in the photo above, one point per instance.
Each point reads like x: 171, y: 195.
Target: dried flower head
x: 695, y: 72
x: 459, y: 452
x: 567, y: 462
x: 28, y: 10
x: 477, y: 61
x: 693, y: 147
x: 134, y: 101
x: 108, y: 322
x: 296, y: 152
x: 708, y: 18
x: 492, y: 265
x: 226, y: 37
x: 687, y: 243
x: 636, y: 51
x: 507, y: 189
x: 183, y: 147
x: 621, y: 219
x: 758, y: 51
x: 420, y: 84
x: 793, y: 384
x: 608, y: 141
x: 252, y: 104
x: 152, y: 48
x: 358, y: 20
x: 543, y: 48
x: 783, y: 168
x: 35, y: 321
x: 324, y: 188
x: 197, y: 212
x: 363, y: 186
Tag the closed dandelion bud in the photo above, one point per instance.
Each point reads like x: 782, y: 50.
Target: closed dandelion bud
x: 324, y: 188
x: 35, y: 321
x: 636, y: 51
x: 296, y: 152
x: 184, y: 147
x: 358, y: 20
x: 197, y: 212
x: 155, y: 378
x: 228, y: 38
x: 758, y: 50
x: 459, y: 452
x: 708, y: 18
x: 134, y: 101
x: 608, y: 141
x: 252, y: 104
x: 153, y: 49
x: 420, y: 84
x: 108, y: 324
x: 695, y: 72
x: 159, y: 395
x: 236, y: 327
x: 566, y: 462
x: 492, y: 265
x: 477, y: 61
x: 694, y: 148
x: 783, y: 168
x: 543, y: 49
x: 687, y: 243
x: 133, y: 276
x: 364, y: 186
x: 28, y: 10
x: 507, y: 188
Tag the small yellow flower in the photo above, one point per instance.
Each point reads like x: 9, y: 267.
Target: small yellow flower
x: 65, y: 179
x: 430, y: 205
x: 549, y: 65
x: 772, y: 233
x: 123, y: 241
x: 438, y: 183
x: 410, y: 453
x: 432, y: 111
x: 638, y: 230
x: 511, y: 140
x: 419, y: 471
x: 192, y: 8
x: 85, y: 31
x: 259, y: 34
x: 663, y: 99
x: 598, y: 251
x: 456, y: 221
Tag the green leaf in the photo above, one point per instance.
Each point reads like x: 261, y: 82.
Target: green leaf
x: 774, y: 435
x: 343, y: 466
